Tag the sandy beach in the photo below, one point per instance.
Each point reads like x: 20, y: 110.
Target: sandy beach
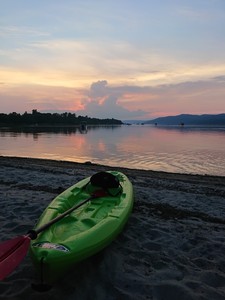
x: 173, y: 246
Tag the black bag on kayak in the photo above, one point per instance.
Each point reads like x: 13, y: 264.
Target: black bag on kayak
x: 105, y: 180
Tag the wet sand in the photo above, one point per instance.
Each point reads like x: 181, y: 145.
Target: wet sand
x: 171, y: 248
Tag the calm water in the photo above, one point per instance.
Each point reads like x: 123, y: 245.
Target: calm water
x: 171, y: 149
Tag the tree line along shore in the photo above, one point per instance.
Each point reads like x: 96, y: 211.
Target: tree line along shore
x: 66, y: 118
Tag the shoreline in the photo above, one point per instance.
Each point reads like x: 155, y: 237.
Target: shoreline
x: 171, y: 248
x: 93, y: 166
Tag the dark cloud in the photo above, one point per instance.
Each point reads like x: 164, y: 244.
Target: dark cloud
x: 103, y: 101
x: 98, y: 89
x: 220, y: 78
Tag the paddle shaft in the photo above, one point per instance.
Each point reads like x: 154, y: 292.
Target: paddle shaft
x: 33, y: 233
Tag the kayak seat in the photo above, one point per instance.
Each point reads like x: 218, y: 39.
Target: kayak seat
x: 105, y: 181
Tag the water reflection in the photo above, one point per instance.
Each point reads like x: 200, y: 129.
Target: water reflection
x: 172, y: 149
x: 37, y: 131
x: 187, y: 128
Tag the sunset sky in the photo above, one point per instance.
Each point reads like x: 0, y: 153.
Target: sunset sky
x: 123, y: 59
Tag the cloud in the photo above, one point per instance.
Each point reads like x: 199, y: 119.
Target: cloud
x: 25, y: 98
x: 219, y: 78
x: 98, y: 89
x: 77, y: 62
x: 103, y: 102
x: 124, y: 102
x: 186, y: 97
x: 22, y: 31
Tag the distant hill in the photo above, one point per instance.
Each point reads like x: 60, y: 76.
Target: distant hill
x: 186, y: 119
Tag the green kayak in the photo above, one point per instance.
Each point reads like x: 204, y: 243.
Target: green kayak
x: 87, y: 229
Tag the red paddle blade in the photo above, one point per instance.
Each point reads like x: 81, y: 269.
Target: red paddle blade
x: 11, y: 254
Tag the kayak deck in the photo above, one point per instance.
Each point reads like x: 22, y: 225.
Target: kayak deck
x: 82, y: 219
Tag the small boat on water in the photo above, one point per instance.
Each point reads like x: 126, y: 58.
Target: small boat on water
x: 104, y: 203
